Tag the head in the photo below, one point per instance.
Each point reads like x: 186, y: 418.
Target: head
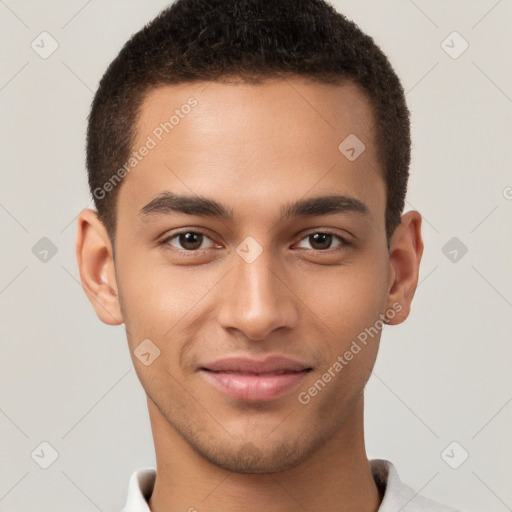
x: 287, y: 130
x: 252, y: 41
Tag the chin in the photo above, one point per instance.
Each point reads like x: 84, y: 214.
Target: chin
x: 258, y: 456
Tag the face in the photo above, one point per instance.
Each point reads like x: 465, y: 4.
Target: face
x: 255, y: 296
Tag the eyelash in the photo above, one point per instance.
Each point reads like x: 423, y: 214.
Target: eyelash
x: 344, y: 242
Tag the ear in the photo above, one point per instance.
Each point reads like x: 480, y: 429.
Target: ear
x: 95, y: 259
x: 405, y: 251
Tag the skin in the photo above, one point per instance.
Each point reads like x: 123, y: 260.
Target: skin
x: 254, y: 148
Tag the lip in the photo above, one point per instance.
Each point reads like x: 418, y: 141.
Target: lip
x: 255, y: 380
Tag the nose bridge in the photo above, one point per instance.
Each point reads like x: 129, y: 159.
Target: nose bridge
x: 256, y: 301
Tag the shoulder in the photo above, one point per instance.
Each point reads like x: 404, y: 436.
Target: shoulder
x: 398, y: 496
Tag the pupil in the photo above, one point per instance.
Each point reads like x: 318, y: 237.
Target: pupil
x: 188, y: 238
x: 321, y: 238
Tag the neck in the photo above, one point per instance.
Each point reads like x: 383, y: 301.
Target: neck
x: 337, y: 477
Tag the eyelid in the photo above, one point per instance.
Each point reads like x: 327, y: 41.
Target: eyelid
x: 344, y: 241
x: 164, y: 241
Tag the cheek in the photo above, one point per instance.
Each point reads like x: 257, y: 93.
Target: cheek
x: 150, y: 292
x: 349, y: 299
x: 149, y: 302
x: 163, y: 303
x: 152, y: 308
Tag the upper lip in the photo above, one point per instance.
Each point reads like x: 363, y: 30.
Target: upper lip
x: 272, y: 364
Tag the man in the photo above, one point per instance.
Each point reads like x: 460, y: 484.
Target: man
x: 249, y: 163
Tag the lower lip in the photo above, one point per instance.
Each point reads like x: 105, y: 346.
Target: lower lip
x: 257, y: 388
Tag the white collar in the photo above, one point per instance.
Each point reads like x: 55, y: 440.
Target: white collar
x: 397, y: 495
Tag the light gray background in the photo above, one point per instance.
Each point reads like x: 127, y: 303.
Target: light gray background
x: 443, y: 376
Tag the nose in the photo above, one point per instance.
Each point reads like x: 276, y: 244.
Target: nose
x: 258, y: 298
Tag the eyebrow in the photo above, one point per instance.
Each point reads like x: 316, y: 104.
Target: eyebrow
x: 169, y: 203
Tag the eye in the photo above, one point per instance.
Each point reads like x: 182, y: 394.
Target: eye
x: 188, y: 241
x: 322, y: 240
x: 194, y: 241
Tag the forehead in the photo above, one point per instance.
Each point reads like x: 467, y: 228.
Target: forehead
x: 273, y: 141
x: 262, y: 108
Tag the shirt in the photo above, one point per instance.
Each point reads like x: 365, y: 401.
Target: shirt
x: 397, y: 496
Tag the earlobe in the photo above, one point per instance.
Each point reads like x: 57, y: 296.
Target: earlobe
x: 96, y: 266
x: 406, y: 250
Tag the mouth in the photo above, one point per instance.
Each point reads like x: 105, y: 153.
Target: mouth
x: 252, y: 380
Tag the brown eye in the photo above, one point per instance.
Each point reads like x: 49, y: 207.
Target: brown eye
x: 322, y: 240
x: 186, y: 240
